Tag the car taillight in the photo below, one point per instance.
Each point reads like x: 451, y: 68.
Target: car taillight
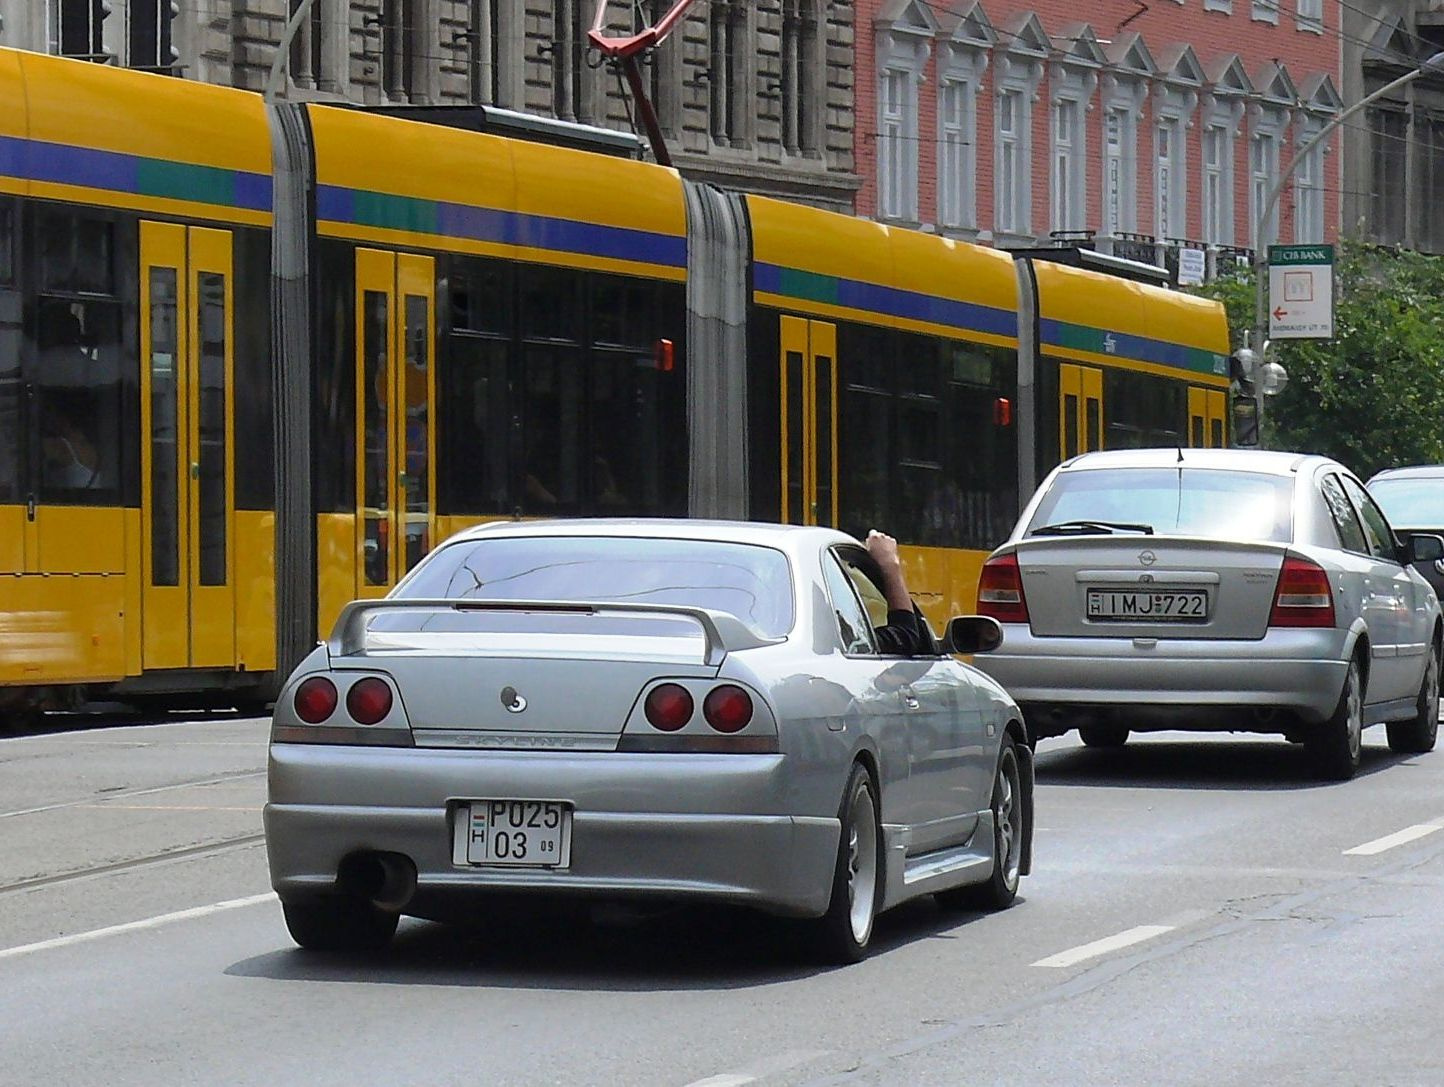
x: 669, y: 707
x: 728, y: 709
x: 315, y: 700
x: 1303, y: 598
x: 368, y: 701
x: 1000, y: 590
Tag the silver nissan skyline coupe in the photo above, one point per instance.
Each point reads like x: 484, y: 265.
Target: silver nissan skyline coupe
x: 658, y: 710
x: 1216, y: 589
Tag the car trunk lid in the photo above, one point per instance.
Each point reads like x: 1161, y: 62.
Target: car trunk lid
x: 1149, y: 586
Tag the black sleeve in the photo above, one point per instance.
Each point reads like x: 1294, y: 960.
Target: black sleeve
x: 902, y: 637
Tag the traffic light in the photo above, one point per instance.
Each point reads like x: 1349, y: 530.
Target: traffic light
x: 151, y: 44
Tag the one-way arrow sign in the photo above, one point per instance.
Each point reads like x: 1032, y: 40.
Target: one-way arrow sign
x: 1280, y: 314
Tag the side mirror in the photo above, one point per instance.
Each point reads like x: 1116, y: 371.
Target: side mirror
x: 1426, y: 547
x: 973, y: 634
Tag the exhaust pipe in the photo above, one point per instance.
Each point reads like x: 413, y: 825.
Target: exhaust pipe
x: 386, y: 880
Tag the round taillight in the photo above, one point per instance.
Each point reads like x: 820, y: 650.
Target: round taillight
x: 315, y: 700
x: 669, y: 707
x: 368, y: 701
x: 728, y: 709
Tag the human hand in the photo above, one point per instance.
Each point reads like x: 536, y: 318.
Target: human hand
x: 883, y: 549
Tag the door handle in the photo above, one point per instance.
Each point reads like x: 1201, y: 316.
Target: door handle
x: 195, y: 470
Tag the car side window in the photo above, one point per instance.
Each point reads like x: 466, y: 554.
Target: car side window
x: 1376, y: 528
x: 847, y: 609
x: 1351, y: 533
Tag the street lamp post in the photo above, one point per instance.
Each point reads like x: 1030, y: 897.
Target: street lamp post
x: 1258, y: 341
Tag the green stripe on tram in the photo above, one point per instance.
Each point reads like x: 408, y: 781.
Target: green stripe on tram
x: 185, y: 181
x: 396, y: 212
x: 808, y: 286
x: 1099, y: 341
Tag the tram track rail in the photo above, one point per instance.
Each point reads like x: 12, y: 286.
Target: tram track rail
x: 165, y: 856
x: 125, y: 794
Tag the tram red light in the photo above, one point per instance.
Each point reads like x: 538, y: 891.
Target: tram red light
x: 315, y: 700
x: 664, y: 356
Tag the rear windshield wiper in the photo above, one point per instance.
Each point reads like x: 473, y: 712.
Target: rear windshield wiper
x: 1086, y: 528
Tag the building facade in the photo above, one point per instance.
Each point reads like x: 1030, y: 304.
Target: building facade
x: 758, y: 97
x: 1147, y: 128
x: 1394, y: 154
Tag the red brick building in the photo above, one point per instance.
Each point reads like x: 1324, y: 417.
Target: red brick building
x: 1149, y: 123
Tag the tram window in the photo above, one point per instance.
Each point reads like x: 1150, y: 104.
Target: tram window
x: 7, y: 242
x: 625, y: 464
x: 550, y: 303
x: 335, y: 406
x: 252, y: 404
x: 480, y: 292
x: 475, y: 402
x: 77, y: 253
x: 1143, y: 410
x: 919, y: 366
x: 552, y: 430
x: 865, y: 460
x: 622, y: 310
x: 78, y: 394
x: 11, y: 396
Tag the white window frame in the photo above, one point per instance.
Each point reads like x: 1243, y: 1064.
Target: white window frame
x: 1224, y: 112
x: 1308, y: 183
x: 1068, y: 164
x: 1265, y: 11
x: 1170, y: 165
x: 903, y: 53
x: 1217, y: 189
x: 960, y: 81
x: 1225, y: 6
x: 1264, y: 152
x: 1016, y: 76
x: 1118, y: 184
x: 1310, y: 17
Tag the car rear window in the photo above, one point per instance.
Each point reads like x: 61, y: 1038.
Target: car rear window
x: 1411, y: 502
x: 750, y: 582
x: 1173, y: 502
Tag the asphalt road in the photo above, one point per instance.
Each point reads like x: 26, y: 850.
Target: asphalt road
x: 1200, y: 913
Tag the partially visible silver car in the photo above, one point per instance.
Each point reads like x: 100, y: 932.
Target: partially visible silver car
x: 1216, y: 590
x: 678, y: 710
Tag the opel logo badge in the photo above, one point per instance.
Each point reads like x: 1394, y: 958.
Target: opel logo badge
x: 513, y: 701
x: 1148, y: 558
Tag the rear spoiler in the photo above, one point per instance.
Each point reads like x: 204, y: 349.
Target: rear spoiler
x: 724, y: 633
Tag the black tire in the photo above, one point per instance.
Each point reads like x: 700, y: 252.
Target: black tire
x: 1334, y: 746
x: 1009, y: 833
x: 338, y: 923
x: 843, y: 932
x: 1103, y: 735
x: 1417, y: 735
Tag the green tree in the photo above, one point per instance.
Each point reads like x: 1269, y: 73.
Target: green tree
x: 1372, y: 397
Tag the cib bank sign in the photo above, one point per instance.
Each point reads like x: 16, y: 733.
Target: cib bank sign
x: 1301, y: 292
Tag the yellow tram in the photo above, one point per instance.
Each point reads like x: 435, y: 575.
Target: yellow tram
x: 255, y: 361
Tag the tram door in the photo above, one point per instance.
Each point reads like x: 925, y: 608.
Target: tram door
x: 809, y: 422
x: 395, y: 433
x: 187, y: 464
x: 1206, y: 408
x: 1080, y: 409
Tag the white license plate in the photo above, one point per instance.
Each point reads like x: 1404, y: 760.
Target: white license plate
x: 514, y: 833
x: 1154, y: 605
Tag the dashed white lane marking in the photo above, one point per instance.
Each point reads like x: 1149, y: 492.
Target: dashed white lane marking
x: 1127, y: 938
x: 136, y: 926
x: 1389, y: 841
x: 723, y: 1081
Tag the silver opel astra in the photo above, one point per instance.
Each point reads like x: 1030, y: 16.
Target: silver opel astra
x: 1215, y: 589
x: 673, y: 710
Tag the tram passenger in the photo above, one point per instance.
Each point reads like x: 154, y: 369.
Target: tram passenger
x: 70, y: 459
x: 903, y: 635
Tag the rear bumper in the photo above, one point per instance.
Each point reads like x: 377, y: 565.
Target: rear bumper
x: 670, y: 826
x: 1294, y: 671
